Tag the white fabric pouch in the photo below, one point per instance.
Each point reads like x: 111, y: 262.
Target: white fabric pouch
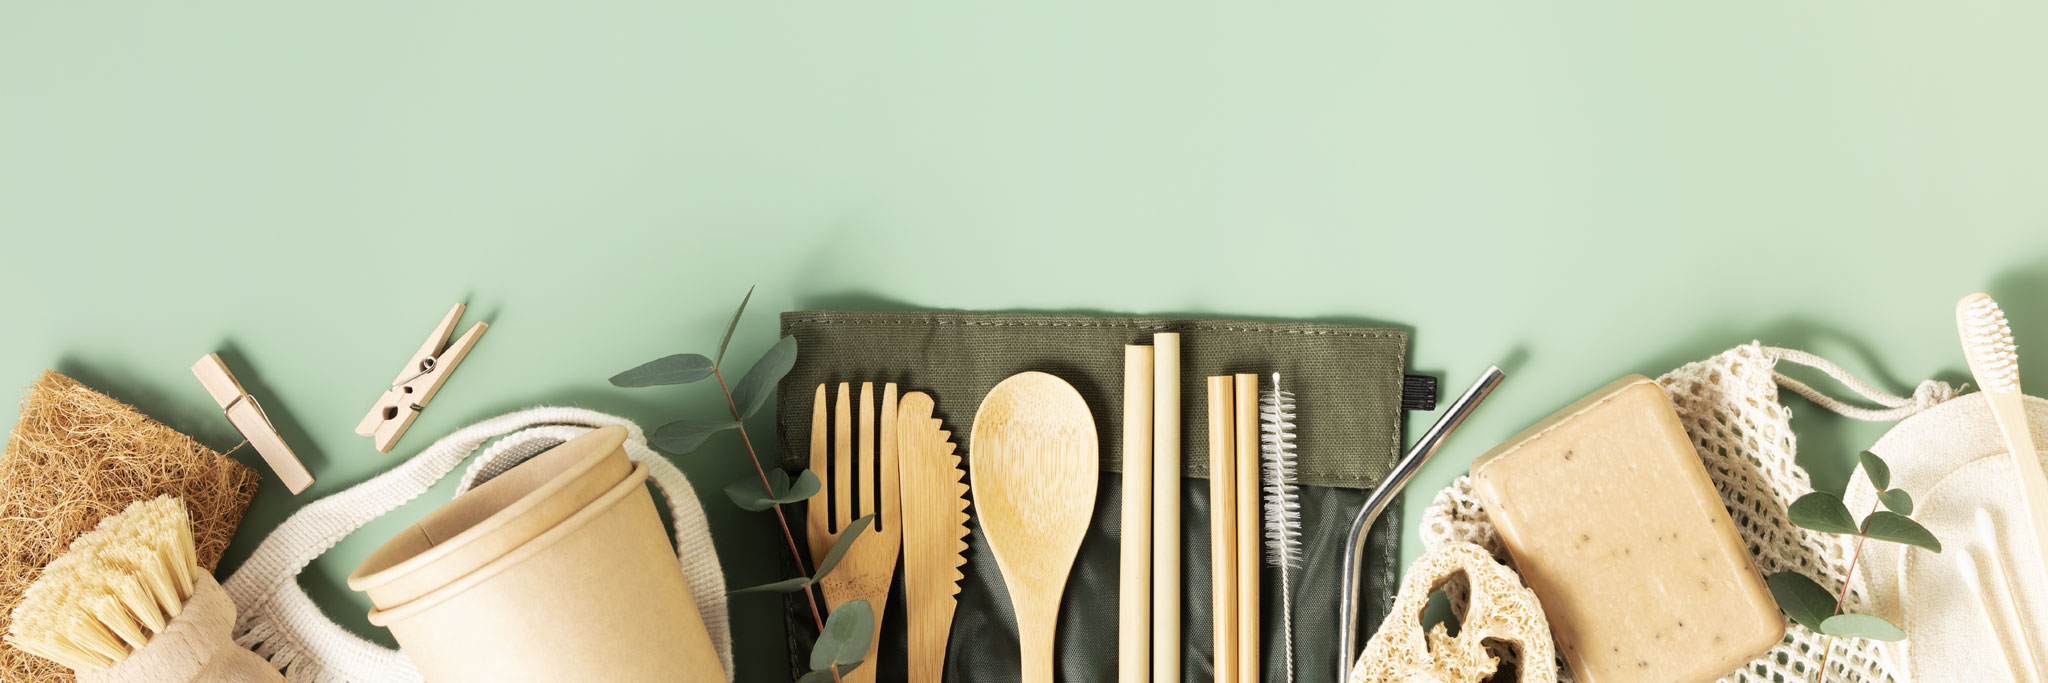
x: 1953, y: 461
x: 278, y: 620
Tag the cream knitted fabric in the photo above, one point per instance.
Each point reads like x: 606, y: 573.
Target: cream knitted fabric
x: 276, y: 618
x: 1729, y: 404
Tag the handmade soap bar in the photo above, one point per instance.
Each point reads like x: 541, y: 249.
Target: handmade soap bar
x: 1614, y: 524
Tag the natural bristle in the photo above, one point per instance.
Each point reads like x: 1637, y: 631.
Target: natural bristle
x: 118, y: 586
x: 1994, y: 356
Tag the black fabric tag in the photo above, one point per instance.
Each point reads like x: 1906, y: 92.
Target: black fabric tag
x: 1418, y: 392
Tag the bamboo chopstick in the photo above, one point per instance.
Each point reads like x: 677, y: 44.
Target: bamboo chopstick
x: 1247, y: 541
x: 1134, y: 638
x: 1223, y: 524
x: 1166, y: 470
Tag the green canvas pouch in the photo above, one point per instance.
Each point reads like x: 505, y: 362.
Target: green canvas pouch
x: 1348, y: 385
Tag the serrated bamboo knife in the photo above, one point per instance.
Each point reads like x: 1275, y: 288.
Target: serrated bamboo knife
x: 934, y: 533
x: 1035, y: 467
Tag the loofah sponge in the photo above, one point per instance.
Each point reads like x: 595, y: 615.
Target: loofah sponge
x: 78, y: 456
x: 1501, y: 612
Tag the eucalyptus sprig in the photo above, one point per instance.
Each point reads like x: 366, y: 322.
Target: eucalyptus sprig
x: 844, y: 635
x: 1814, y: 606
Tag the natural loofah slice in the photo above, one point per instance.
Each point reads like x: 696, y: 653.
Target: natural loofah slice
x: 78, y: 456
x: 1501, y: 610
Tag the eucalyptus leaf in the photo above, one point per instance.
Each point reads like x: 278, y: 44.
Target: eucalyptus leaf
x: 746, y: 491
x: 785, y: 586
x: 1879, y: 472
x: 807, y: 485
x: 845, y: 638
x: 734, y: 325
x: 1891, y: 526
x: 683, y: 437
x: 1897, y: 500
x: 1806, y: 602
x: 1822, y: 512
x: 846, y: 539
x: 1862, y: 626
x: 752, y: 391
x: 682, y: 368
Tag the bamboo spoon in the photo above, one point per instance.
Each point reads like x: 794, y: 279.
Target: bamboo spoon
x: 1223, y: 525
x: 1166, y: 470
x: 1035, y: 467
x: 934, y: 533
x: 1134, y: 637
x: 1246, y: 469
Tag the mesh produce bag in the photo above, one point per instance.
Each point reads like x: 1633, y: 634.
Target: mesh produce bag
x: 1729, y: 404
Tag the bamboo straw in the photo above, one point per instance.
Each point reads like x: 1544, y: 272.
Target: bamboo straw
x: 1134, y: 638
x: 1248, y: 532
x: 1166, y: 471
x: 1223, y: 523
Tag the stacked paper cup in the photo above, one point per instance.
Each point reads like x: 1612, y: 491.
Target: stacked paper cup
x: 556, y: 570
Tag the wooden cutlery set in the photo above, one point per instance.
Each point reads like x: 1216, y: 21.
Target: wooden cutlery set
x: 1036, y: 465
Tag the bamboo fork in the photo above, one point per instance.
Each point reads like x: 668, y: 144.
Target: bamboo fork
x: 869, y: 566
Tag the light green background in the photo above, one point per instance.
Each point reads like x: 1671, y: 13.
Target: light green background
x: 1584, y: 188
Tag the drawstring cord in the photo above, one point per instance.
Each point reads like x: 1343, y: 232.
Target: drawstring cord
x: 1929, y: 394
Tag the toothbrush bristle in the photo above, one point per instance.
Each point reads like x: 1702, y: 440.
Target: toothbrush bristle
x: 1282, y: 500
x: 1992, y: 350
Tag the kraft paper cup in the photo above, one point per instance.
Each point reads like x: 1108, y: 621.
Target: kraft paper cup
x: 494, y: 518
x: 598, y: 597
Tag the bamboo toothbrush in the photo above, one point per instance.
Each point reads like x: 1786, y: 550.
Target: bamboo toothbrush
x: 1995, y: 361
x: 128, y: 603
x: 1282, y: 505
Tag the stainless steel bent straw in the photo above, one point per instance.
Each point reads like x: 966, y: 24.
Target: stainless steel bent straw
x: 1354, y: 546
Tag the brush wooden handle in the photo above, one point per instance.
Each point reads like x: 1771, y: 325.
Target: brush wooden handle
x: 1223, y: 524
x: 197, y: 646
x: 1166, y: 470
x: 2011, y: 413
x: 1134, y: 632
x: 1246, y: 471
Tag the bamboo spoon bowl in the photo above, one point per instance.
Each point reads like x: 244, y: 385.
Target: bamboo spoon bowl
x: 1035, y: 466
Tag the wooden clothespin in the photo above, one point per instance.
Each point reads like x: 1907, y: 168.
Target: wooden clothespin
x: 247, y: 415
x: 418, y: 381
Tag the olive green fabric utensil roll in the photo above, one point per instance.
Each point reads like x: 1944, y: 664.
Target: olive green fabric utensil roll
x: 1348, y: 382
x: 1349, y: 376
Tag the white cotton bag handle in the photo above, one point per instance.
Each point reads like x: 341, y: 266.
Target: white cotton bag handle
x: 277, y: 619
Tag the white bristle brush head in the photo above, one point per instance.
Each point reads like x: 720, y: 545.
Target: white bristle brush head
x: 1987, y: 337
x: 1282, y: 518
x: 116, y: 587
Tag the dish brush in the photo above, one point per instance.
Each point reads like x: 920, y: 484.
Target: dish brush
x: 128, y: 602
x: 1282, y: 504
x: 1995, y: 362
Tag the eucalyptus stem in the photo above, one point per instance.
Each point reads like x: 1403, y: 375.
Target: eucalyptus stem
x: 817, y: 617
x: 1828, y: 646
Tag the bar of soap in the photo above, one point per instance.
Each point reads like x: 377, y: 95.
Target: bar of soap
x: 1612, y: 520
